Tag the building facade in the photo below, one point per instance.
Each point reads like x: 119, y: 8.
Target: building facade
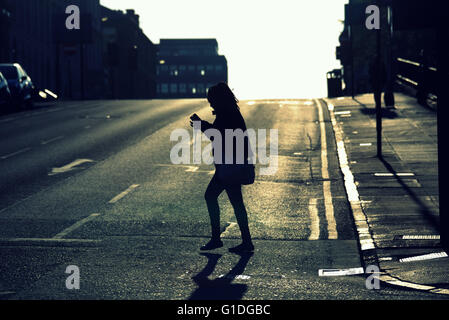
x: 129, y: 57
x: 72, y: 70
x: 186, y: 68
x: 358, y: 46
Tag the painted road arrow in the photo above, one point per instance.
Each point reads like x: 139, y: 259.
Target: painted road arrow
x: 69, y: 167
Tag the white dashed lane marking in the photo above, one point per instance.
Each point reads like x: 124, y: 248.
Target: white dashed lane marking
x: 52, y: 140
x: 124, y: 193
x: 72, y: 228
x: 15, y: 153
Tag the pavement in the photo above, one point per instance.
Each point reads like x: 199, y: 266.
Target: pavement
x: 394, y: 200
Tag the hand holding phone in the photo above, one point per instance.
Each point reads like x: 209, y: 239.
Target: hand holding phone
x: 194, y: 117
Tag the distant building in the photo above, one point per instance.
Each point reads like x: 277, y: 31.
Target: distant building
x: 358, y: 46
x: 29, y: 38
x: 129, y: 56
x: 186, y: 68
x: 5, y: 27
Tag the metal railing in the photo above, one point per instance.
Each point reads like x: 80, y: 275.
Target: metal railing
x: 416, y: 75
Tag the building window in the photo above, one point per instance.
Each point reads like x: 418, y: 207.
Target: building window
x: 182, y: 88
x: 219, y: 68
x: 173, y: 88
x: 182, y: 69
x: 191, y: 68
x: 201, y: 89
x: 173, y: 70
x: 164, y: 88
x: 192, y: 89
x: 202, y: 70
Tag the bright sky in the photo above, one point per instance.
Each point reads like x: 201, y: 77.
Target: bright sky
x: 275, y: 49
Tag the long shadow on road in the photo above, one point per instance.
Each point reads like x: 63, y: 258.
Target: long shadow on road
x: 220, y: 288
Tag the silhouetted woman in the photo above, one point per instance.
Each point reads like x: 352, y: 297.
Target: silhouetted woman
x: 228, y: 116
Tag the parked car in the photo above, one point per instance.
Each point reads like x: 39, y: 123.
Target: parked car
x: 19, y: 83
x: 5, y: 95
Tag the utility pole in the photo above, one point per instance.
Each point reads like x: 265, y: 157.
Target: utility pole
x: 389, y: 92
x: 379, y: 85
x: 352, y: 62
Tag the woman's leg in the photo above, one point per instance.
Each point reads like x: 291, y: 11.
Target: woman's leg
x: 236, y: 198
x: 214, y: 189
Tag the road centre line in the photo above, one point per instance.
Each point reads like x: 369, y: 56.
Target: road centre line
x: 50, y: 110
x: 124, y: 193
x: 8, y: 242
x: 52, y: 140
x: 329, y: 207
x: 15, y: 153
x: 75, y: 226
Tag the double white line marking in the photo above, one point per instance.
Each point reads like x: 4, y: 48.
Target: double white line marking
x: 328, y: 205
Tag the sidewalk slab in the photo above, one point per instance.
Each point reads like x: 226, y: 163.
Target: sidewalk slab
x: 399, y: 193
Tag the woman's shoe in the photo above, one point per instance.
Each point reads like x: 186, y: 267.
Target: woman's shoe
x: 211, y: 245
x: 244, y: 247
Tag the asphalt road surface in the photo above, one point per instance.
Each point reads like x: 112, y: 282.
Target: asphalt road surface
x: 91, y: 185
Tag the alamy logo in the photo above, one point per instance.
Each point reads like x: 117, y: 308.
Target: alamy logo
x: 73, y: 21
x: 234, y: 140
x: 373, y: 21
x: 372, y: 281
x: 73, y: 281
